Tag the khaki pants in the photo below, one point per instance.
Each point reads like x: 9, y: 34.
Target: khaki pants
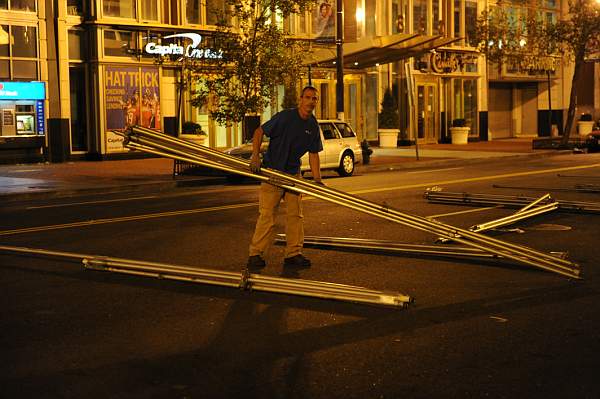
x: 269, y: 198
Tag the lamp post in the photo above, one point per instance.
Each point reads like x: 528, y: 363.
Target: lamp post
x: 339, y: 42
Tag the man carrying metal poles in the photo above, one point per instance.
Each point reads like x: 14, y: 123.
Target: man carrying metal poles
x: 292, y: 133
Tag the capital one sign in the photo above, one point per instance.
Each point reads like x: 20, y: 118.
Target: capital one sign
x: 190, y: 51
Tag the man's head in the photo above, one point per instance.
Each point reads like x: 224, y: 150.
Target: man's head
x: 308, y: 101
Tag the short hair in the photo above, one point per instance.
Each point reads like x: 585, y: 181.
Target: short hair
x: 309, y: 87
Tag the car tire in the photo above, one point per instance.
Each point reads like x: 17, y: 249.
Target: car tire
x: 346, y: 167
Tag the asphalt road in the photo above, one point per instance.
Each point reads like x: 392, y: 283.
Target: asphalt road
x: 477, y: 328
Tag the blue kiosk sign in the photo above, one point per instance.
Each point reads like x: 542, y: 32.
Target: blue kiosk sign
x: 30, y: 94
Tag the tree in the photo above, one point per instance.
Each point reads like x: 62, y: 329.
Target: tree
x: 507, y: 36
x: 579, y: 36
x: 257, y: 57
x: 389, y: 117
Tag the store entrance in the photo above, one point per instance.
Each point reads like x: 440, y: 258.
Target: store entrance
x: 426, y: 113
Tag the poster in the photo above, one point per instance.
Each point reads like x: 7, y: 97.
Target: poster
x: 132, y: 97
x: 324, y: 21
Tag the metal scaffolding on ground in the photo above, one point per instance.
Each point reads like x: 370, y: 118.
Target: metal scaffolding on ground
x: 157, y: 143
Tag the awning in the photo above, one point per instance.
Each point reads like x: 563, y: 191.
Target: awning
x: 369, y: 52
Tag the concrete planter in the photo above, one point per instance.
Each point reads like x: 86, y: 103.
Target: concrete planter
x: 460, y: 135
x: 194, y: 138
x: 585, y: 127
x: 388, y: 138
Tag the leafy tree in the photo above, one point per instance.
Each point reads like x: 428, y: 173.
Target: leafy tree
x: 505, y: 36
x: 257, y: 57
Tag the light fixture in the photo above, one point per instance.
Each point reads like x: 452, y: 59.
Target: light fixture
x: 356, y: 63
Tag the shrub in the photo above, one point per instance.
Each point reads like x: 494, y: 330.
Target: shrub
x: 459, y: 122
x: 190, y: 127
x: 388, y: 118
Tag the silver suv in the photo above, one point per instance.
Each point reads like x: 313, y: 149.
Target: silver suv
x: 341, y: 148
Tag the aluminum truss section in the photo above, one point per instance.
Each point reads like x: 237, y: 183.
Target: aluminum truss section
x: 244, y: 280
x: 157, y: 143
x: 386, y: 246
x: 475, y: 199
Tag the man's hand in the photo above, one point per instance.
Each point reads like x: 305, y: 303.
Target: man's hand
x: 255, y: 163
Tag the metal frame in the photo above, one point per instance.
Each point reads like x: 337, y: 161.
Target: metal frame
x: 476, y: 199
x: 157, y: 143
x: 386, y: 246
x: 243, y: 280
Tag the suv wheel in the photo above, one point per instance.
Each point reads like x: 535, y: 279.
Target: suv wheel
x: 346, y: 164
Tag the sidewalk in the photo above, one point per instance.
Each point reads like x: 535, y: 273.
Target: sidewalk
x: 39, y: 181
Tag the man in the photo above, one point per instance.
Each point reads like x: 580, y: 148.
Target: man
x: 292, y: 133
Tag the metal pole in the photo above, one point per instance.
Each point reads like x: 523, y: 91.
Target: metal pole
x: 244, y: 280
x: 518, y: 253
x: 339, y: 43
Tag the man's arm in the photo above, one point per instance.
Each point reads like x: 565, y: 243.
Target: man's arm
x: 257, y: 139
x: 315, y: 166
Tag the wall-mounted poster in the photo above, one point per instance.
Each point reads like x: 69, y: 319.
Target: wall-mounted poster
x: 132, y: 97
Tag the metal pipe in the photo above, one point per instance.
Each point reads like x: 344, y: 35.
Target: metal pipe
x: 510, y: 219
x: 244, y: 280
x: 299, y: 181
x: 534, y: 203
x: 581, y: 189
x: 505, y: 200
x: 523, y: 254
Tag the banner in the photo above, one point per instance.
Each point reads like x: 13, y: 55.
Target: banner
x: 132, y: 97
x: 324, y: 21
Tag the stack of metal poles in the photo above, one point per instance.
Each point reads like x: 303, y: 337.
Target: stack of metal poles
x: 157, y: 143
x: 244, y: 280
x: 476, y: 199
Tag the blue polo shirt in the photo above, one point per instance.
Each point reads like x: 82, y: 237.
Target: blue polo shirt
x: 290, y: 137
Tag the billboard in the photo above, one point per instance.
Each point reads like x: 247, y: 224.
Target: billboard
x: 132, y: 97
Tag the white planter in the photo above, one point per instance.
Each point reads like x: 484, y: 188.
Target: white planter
x: 460, y: 135
x: 388, y: 138
x: 585, y: 127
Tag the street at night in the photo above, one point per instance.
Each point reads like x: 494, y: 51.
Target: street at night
x: 477, y: 328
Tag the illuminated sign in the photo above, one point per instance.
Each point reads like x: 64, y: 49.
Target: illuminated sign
x: 22, y: 91
x: 189, y: 51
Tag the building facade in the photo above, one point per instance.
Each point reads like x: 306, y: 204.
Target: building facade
x: 73, y: 71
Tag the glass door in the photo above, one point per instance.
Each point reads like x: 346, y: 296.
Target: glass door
x: 426, y: 112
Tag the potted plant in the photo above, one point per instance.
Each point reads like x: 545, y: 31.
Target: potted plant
x: 193, y: 132
x: 388, y: 121
x: 585, y: 124
x: 460, y: 131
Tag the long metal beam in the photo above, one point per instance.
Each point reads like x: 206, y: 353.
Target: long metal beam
x: 386, y: 246
x: 243, y: 280
x: 179, y: 149
x: 477, y: 199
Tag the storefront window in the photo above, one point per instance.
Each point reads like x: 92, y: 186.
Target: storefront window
x: 4, y: 69
x: 4, y: 40
x: 149, y: 10
x: 76, y: 44
x: 25, y: 69
x: 118, y: 43
x: 465, y: 102
x: 119, y: 8
x: 3, y: 4
x: 24, y: 41
x: 457, y: 18
x: 22, y: 5
x: 370, y: 16
x: 214, y: 9
x: 192, y: 12
x: 437, y: 26
x: 420, y: 16
x: 470, y: 22
x: 75, y: 7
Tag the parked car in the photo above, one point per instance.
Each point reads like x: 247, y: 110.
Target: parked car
x: 341, y: 148
x: 592, y: 141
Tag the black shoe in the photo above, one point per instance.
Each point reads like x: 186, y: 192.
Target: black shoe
x: 299, y: 261
x: 255, y: 262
